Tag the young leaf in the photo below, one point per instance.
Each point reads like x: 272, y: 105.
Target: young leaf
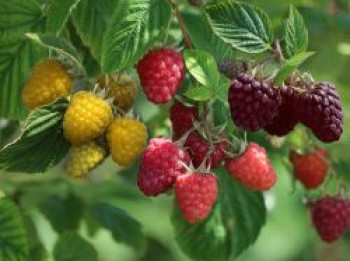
x: 123, y: 227
x: 43, y: 130
x: 135, y: 28
x: 295, y: 34
x: 91, y: 19
x: 64, y: 213
x: 199, y: 93
x: 290, y: 65
x: 58, y: 14
x: 245, y: 27
x: 233, y: 225
x: 202, y: 67
x: 72, y: 247
x: 13, y: 239
x: 18, y: 54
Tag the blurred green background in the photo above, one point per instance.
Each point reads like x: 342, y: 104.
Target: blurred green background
x: 287, y: 235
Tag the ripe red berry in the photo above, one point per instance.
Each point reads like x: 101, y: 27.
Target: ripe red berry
x: 331, y: 217
x: 161, y: 72
x: 161, y: 163
x: 182, y: 118
x: 320, y: 109
x: 198, y: 148
x: 286, y: 119
x: 253, y: 103
x: 252, y: 169
x: 195, y: 195
x: 310, y: 169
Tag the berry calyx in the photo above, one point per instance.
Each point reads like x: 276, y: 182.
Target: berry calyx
x: 48, y: 82
x: 195, y: 195
x: 182, y: 118
x: 161, y: 163
x: 310, y: 169
x: 252, y: 169
x: 126, y: 139
x: 86, y: 118
x: 331, y: 217
x: 231, y: 68
x: 253, y: 103
x: 161, y: 72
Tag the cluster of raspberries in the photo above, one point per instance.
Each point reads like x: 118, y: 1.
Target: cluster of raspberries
x: 257, y: 104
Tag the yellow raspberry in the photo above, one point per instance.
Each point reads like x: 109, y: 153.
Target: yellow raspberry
x: 87, y: 117
x: 48, y: 82
x: 126, y: 138
x: 122, y: 88
x: 83, y: 158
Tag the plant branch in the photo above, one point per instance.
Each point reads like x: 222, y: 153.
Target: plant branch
x: 182, y: 25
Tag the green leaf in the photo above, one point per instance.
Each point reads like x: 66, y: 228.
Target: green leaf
x: 7, y: 130
x: 91, y: 19
x: 13, y: 238
x: 64, y: 213
x: 72, y: 247
x: 37, y: 250
x: 295, y: 34
x: 204, y: 38
x: 134, y: 29
x: 202, y: 67
x: 43, y: 130
x: 291, y: 65
x: 57, y: 44
x: 245, y: 27
x: 18, y: 54
x: 58, y: 14
x: 199, y: 93
x: 234, y: 224
x: 123, y: 227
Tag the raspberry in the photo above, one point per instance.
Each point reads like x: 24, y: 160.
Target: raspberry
x: 310, y: 169
x: 231, y: 68
x: 126, y: 138
x: 83, y: 158
x: 331, y: 217
x: 122, y: 88
x: 320, y: 110
x: 252, y: 169
x: 87, y: 117
x: 200, y: 148
x: 161, y: 163
x: 195, y: 195
x: 182, y: 118
x: 48, y: 82
x: 161, y: 72
x: 286, y: 119
x: 253, y: 103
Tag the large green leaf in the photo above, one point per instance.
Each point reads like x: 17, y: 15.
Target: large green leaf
x: 72, y: 247
x: 43, y: 130
x: 234, y: 224
x: 295, y: 34
x: 91, y: 19
x: 37, y: 250
x: 245, y: 27
x: 17, y: 54
x: 58, y: 14
x: 7, y: 130
x: 135, y: 28
x: 63, y: 212
x: 13, y: 238
x: 123, y: 227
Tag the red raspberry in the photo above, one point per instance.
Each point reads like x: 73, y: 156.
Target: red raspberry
x: 310, y: 169
x: 161, y: 163
x: 161, y: 72
x: 195, y: 195
x: 200, y: 148
x: 320, y: 109
x: 253, y: 168
x: 286, y: 119
x: 253, y: 103
x: 331, y: 217
x: 182, y: 118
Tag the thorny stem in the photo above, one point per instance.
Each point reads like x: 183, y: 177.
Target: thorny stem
x: 278, y: 50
